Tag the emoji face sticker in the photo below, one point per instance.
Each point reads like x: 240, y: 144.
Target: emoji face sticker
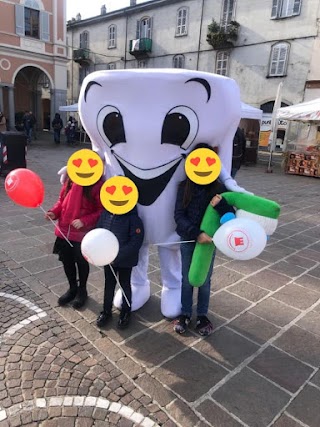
x: 203, y: 166
x: 119, y: 195
x: 85, y: 167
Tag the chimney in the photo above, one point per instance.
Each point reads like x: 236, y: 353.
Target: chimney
x: 103, y: 9
x: 133, y: 2
x: 78, y: 17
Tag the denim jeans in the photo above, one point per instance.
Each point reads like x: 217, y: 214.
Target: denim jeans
x: 187, y: 289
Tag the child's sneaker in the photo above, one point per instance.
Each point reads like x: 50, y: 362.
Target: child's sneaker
x: 204, y: 327
x: 181, y: 324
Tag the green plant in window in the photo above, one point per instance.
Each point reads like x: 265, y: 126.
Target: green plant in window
x: 222, y: 37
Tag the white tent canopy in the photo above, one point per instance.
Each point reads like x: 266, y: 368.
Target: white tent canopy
x: 247, y: 111
x: 305, y: 112
x: 69, y: 108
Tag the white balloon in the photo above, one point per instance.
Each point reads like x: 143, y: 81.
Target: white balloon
x: 100, y: 247
x: 240, y: 239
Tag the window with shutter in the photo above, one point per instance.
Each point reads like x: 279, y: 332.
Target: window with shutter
x: 285, y: 8
x: 227, y: 13
x: 44, y: 26
x: 145, y: 28
x: 182, y: 18
x: 20, y: 30
x: 275, y: 8
x: 84, y: 40
x: 178, y: 61
x: 112, y: 37
x: 32, y: 22
x: 138, y: 30
x: 296, y: 7
x: 278, y: 60
x: 222, y: 63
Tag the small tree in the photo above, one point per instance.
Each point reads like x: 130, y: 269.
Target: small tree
x: 222, y: 38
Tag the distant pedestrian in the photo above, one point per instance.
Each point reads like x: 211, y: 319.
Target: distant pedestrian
x: 57, y: 125
x: 239, y: 151
x: 28, y: 125
x: 3, y: 122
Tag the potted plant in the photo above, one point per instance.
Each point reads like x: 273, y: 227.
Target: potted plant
x: 222, y: 37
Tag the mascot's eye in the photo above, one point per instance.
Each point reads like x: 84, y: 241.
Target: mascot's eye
x: 110, y: 125
x: 180, y: 127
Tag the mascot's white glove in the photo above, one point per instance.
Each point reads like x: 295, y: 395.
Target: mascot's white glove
x: 63, y: 174
x: 230, y: 183
x: 63, y: 171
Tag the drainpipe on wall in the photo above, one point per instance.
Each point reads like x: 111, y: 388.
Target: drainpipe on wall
x: 200, y: 34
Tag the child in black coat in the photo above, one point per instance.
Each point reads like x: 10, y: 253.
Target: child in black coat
x: 128, y: 228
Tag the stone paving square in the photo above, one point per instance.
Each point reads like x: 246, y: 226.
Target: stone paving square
x: 259, y: 368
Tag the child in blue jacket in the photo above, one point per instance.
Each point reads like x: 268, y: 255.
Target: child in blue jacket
x: 128, y: 228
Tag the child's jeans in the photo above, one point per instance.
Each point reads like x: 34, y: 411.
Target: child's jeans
x: 187, y: 290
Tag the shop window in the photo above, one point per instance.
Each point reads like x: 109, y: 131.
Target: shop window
x: 112, y: 37
x: 182, y: 22
x: 278, y: 60
x: 285, y: 8
x: 31, y: 21
x: 222, y: 63
x: 178, y: 61
x: 227, y: 15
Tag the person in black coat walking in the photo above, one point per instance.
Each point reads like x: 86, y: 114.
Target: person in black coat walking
x: 239, y: 151
x: 57, y: 125
x: 128, y: 228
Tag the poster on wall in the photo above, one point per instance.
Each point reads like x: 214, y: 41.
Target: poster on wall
x: 265, y: 130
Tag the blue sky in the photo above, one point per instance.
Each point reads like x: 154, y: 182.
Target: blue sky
x: 89, y: 8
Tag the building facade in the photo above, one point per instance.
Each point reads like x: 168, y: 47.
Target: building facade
x: 257, y: 43
x: 33, y: 59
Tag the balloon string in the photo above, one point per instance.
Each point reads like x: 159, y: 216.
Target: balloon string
x: 118, y: 283
x: 56, y: 225
x: 173, y: 243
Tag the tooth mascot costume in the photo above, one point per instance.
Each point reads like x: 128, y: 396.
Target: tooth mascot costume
x: 143, y: 123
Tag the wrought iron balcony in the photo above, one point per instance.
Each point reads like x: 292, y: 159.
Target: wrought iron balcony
x: 81, y: 56
x: 140, y: 47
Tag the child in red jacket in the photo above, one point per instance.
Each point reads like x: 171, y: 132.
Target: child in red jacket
x: 77, y: 211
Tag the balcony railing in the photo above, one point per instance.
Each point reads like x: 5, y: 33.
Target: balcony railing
x: 140, y: 47
x: 81, y: 56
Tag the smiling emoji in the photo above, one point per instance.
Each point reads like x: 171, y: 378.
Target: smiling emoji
x: 85, y: 167
x: 119, y: 195
x: 203, y: 166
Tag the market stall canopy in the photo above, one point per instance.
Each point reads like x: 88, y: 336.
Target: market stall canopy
x: 69, y: 108
x: 247, y: 111
x: 304, y: 112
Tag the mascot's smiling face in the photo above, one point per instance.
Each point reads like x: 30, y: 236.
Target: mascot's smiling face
x: 147, y: 121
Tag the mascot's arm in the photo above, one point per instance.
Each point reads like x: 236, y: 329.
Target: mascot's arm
x: 230, y: 183
x: 202, y: 254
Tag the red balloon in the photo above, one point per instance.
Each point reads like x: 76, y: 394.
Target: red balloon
x: 25, y: 188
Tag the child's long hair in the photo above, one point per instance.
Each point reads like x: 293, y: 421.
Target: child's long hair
x: 86, y: 189
x: 214, y: 187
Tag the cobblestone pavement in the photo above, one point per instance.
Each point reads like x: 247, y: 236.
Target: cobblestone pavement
x: 259, y: 368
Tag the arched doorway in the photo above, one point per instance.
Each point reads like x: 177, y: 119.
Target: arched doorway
x: 32, y: 90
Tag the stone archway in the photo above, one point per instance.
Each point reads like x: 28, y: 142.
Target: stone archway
x: 32, y: 88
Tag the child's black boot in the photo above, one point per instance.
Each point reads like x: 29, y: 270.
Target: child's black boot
x: 81, y: 298
x: 68, y: 296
